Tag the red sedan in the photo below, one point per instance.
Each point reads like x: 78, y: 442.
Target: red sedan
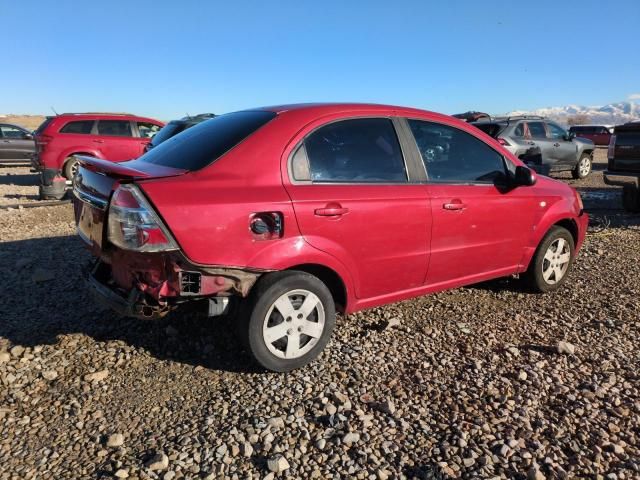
x: 295, y: 212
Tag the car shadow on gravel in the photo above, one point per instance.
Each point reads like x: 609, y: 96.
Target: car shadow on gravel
x: 45, y: 297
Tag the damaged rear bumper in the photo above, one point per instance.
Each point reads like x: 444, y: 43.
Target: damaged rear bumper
x: 126, y: 304
x: 149, y: 286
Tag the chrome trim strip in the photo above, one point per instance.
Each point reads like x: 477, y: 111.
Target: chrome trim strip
x: 90, y: 199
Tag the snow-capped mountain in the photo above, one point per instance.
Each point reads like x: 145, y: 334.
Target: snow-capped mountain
x: 611, y: 114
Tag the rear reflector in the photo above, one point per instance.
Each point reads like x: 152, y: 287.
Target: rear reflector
x: 503, y: 142
x: 134, y: 225
x: 612, y: 147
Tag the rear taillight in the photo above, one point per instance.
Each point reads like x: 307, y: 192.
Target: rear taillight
x: 612, y: 147
x: 43, y: 140
x: 503, y: 142
x: 134, y: 225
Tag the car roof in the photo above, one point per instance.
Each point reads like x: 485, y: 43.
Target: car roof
x: 321, y: 109
x: 105, y: 116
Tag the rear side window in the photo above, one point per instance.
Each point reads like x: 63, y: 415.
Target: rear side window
x: 363, y: 150
x: 116, y: 128
x: 628, y: 138
x: 537, y: 130
x: 453, y: 156
x: 519, y: 130
x: 491, y: 129
x: 148, y: 130
x: 199, y: 146
x: 81, y: 127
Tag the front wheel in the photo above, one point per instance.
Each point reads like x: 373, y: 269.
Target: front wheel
x: 288, y: 319
x: 583, y: 167
x: 550, y: 265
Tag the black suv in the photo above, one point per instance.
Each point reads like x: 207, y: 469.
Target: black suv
x: 541, y: 143
x: 174, y: 127
x: 624, y: 164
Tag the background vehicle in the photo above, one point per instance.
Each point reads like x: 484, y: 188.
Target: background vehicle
x: 174, y: 127
x: 623, y: 167
x: 472, y: 116
x: 116, y: 137
x: 544, y: 145
x: 302, y: 210
x: 16, y: 143
x: 598, y: 134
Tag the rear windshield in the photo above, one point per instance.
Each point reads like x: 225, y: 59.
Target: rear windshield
x: 628, y: 138
x: 43, y: 125
x: 491, y: 129
x: 168, y: 131
x: 197, y: 147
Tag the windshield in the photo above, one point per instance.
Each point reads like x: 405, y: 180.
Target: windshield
x: 491, y: 129
x: 43, y: 125
x: 200, y: 145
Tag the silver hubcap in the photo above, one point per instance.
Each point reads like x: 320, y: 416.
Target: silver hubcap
x: 293, y: 324
x: 556, y: 261
x: 584, y: 167
x: 74, y: 167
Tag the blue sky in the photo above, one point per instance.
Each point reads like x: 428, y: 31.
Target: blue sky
x: 164, y: 59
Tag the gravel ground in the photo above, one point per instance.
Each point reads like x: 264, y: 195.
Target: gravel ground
x: 469, y: 383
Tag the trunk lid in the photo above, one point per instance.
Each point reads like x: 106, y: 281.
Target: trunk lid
x: 93, y: 185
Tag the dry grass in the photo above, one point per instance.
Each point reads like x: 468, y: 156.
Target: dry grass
x: 30, y: 122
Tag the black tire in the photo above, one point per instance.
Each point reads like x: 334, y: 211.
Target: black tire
x: 534, y: 276
x: 577, y: 172
x: 253, y: 317
x: 69, y: 165
x: 631, y: 198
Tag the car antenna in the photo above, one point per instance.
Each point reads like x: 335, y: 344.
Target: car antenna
x: 188, y: 116
x: 54, y: 111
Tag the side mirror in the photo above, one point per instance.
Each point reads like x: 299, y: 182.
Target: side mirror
x: 569, y: 136
x: 524, y: 177
x: 27, y: 136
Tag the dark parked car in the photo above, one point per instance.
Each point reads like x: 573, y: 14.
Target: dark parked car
x: 623, y: 167
x: 542, y: 144
x: 16, y: 143
x: 472, y: 116
x: 174, y: 127
x: 297, y: 211
x: 598, y: 134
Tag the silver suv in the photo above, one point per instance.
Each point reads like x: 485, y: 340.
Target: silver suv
x: 542, y: 144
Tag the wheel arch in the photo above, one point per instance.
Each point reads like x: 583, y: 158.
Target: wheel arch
x: 330, y: 278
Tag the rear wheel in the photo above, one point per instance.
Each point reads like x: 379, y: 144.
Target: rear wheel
x: 71, y: 165
x: 583, y: 167
x: 550, y: 265
x: 288, y: 319
x: 631, y: 198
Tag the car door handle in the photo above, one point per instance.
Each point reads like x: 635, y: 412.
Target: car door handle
x: 454, y: 205
x: 556, y: 144
x: 7, y: 141
x: 98, y: 141
x: 331, y: 211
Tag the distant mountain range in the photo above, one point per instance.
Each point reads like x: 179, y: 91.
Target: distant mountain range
x: 610, y: 114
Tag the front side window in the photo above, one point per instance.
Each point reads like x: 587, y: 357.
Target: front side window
x: 362, y: 150
x: 7, y: 131
x: 116, y: 128
x: 81, y: 127
x: 453, y: 156
x: 537, y: 130
x: 148, y: 130
x: 556, y: 132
